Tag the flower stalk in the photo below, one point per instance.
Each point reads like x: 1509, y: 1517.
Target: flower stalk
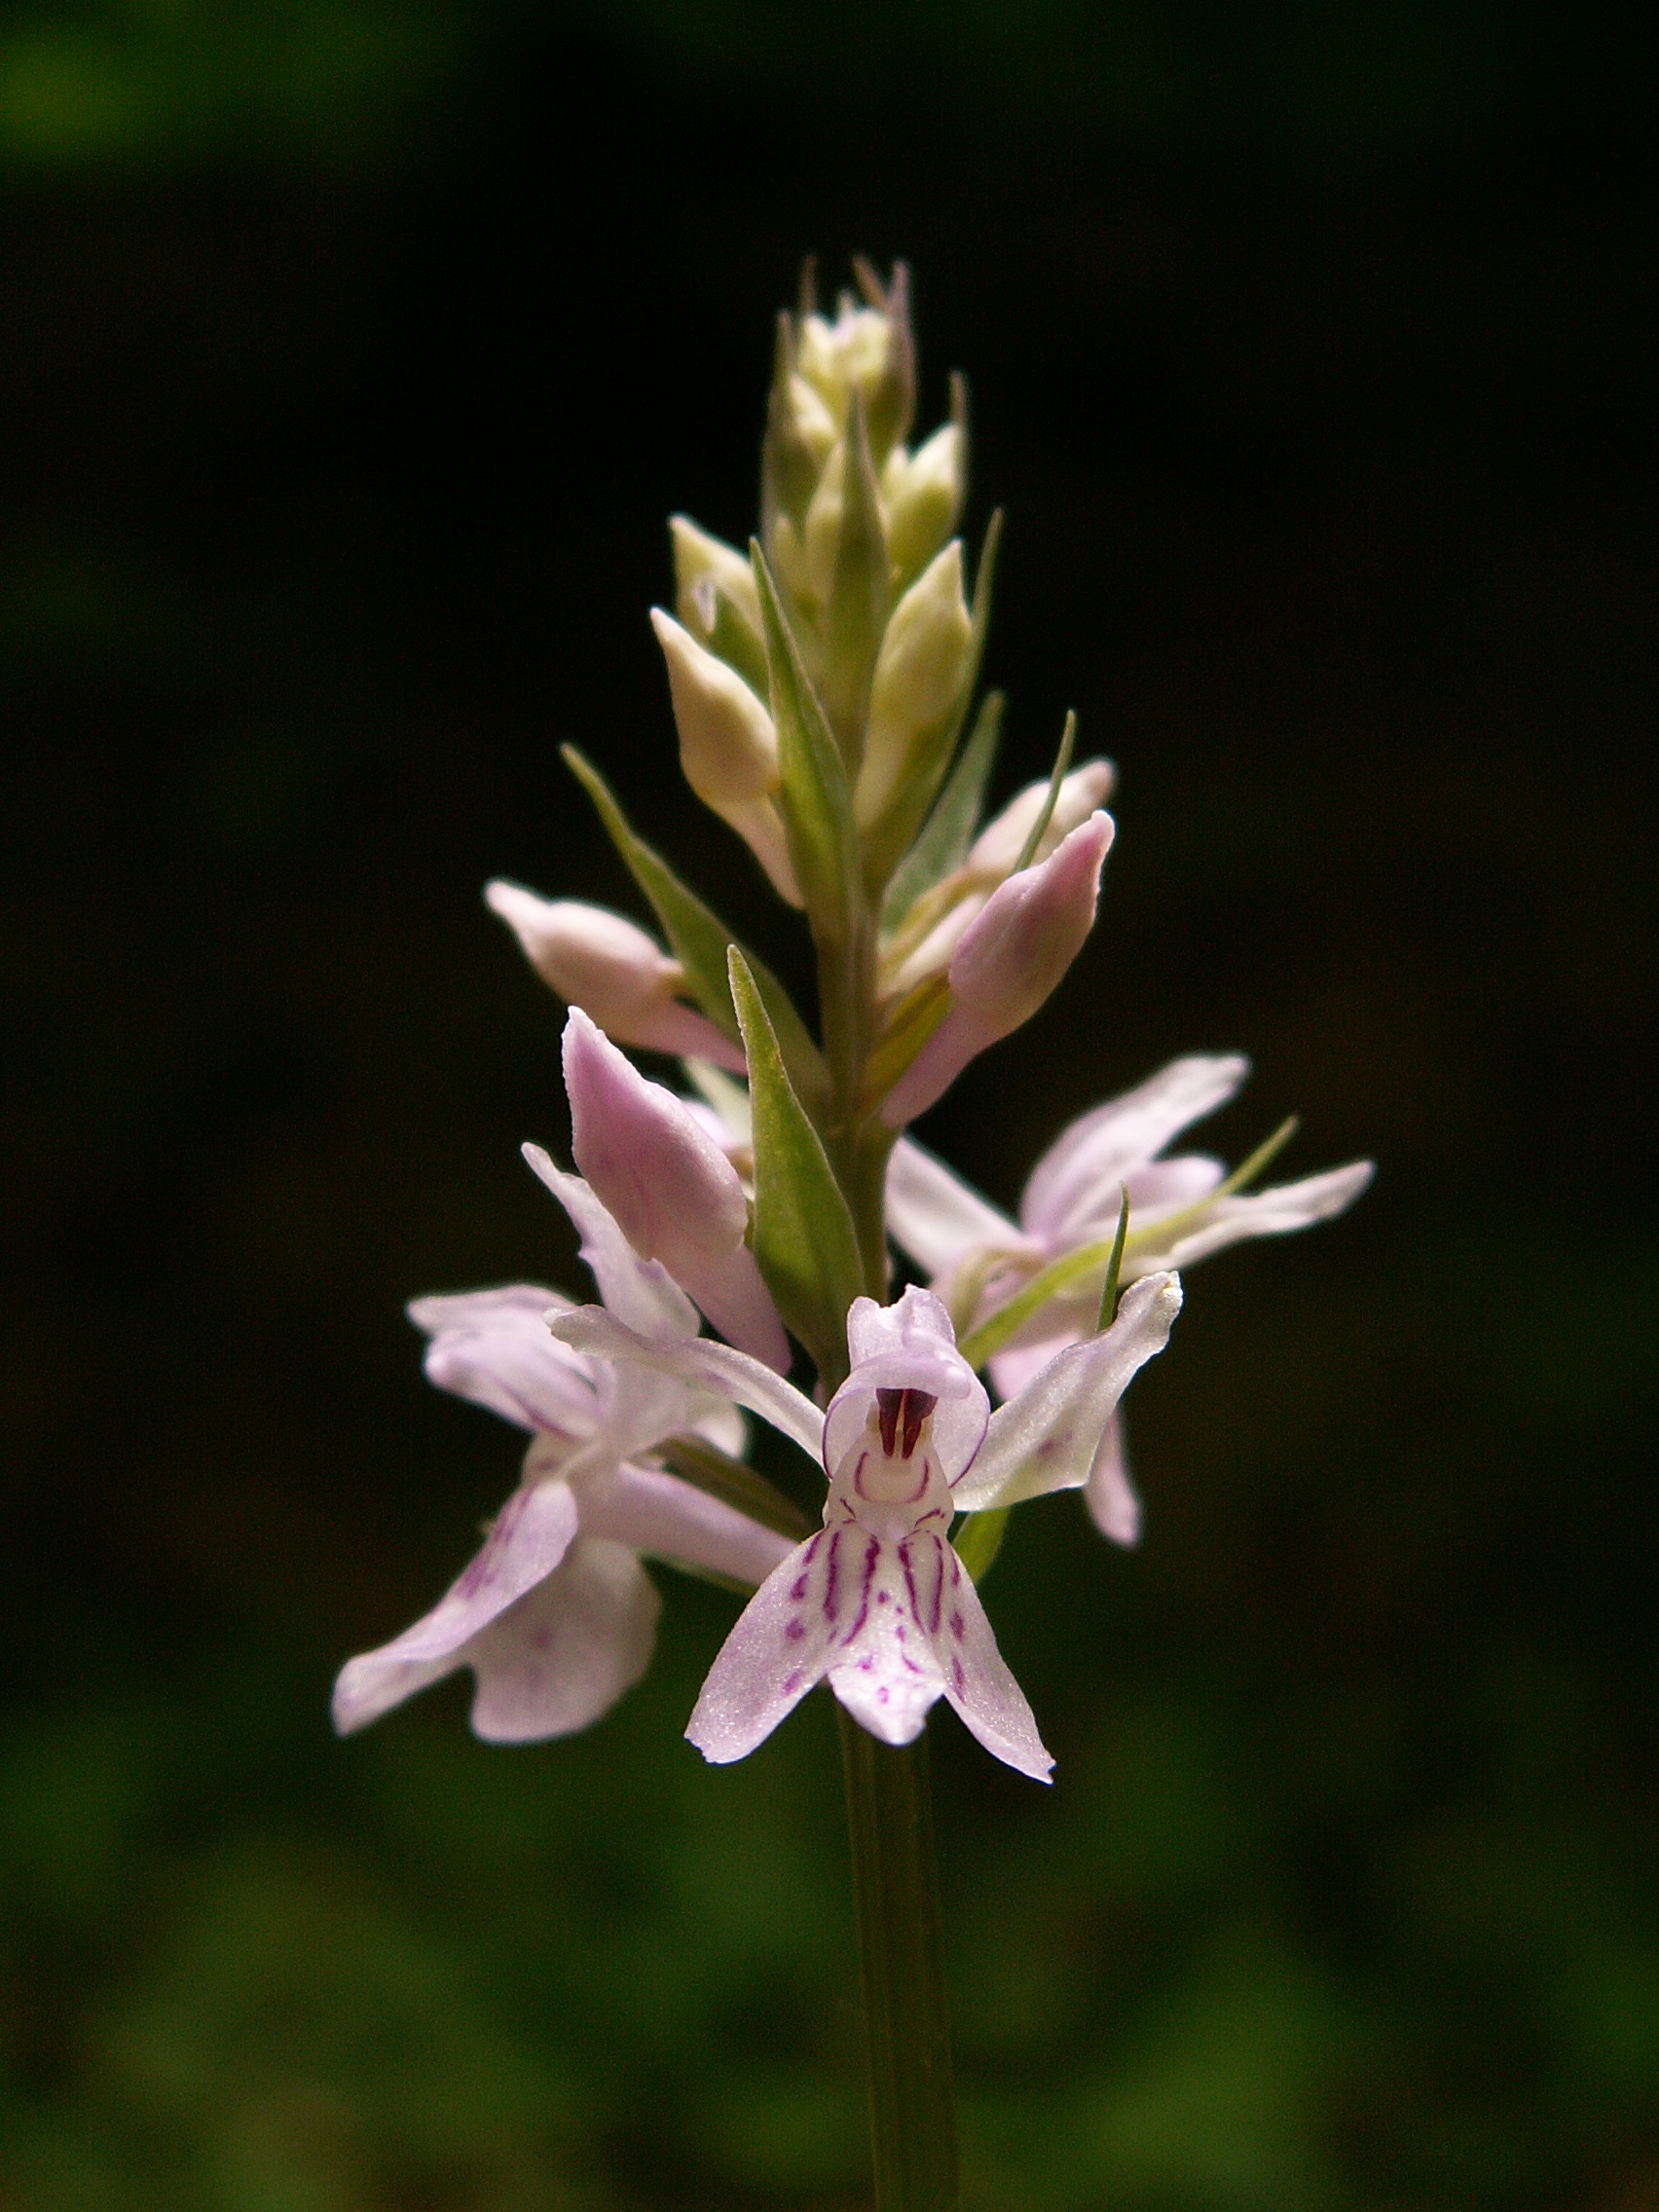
x: 912, y: 2106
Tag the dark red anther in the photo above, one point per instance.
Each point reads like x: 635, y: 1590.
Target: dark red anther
x: 901, y: 1413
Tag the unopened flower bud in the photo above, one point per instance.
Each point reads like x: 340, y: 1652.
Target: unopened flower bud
x: 1008, y: 960
x: 701, y: 561
x: 923, y: 495
x: 835, y: 356
x: 670, y: 1188
x: 620, y: 978
x: 919, y: 674
x: 728, y: 748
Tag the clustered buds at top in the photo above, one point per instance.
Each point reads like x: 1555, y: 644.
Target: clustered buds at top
x: 1008, y: 960
x: 923, y: 493
x: 678, y: 1197
x: 620, y: 978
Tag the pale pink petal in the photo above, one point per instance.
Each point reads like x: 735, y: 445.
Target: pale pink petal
x: 1164, y: 1185
x: 977, y: 1679
x: 670, y: 1187
x: 907, y: 1346
x: 732, y: 1293
x: 493, y: 1347
x: 567, y: 1650
x: 1260, y: 1213
x: 1009, y: 959
x: 1109, y: 1493
x: 1078, y: 1177
x: 531, y: 1535
x: 1021, y: 1363
x: 717, y: 1369
x: 608, y: 966
x: 783, y: 1642
x: 657, y: 1512
x: 934, y: 1215
x: 720, y: 1422
x: 962, y: 1036
x: 1046, y: 1439
x: 642, y: 1292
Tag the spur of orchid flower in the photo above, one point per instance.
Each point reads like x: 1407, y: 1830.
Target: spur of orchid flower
x: 555, y: 1615
x: 1180, y: 1210
x: 878, y: 1599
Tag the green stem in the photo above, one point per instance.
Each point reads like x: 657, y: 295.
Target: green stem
x: 908, y: 2025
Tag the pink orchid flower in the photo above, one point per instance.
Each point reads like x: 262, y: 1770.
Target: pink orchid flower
x: 556, y: 1616
x: 977, y: 1258
x: 878, y: 1600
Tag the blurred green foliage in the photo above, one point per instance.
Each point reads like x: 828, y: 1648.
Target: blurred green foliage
x: 354, y: 357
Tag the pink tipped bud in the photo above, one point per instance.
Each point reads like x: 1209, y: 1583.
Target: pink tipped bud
x: 1010, y: 958
x: 620, y: 978
x: 669, y: 1187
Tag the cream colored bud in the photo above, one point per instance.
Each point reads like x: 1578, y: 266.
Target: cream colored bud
x: 922, y: 492
x: 919, y: 674
x: 699, y: 561
x: 728, y: 748
x: 1000, y: 843
x: 822, y: 531
x: 833, y: 357
x: 818, y: 429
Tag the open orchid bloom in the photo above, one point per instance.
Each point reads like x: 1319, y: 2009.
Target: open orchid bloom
x: 556, y: 1616
x: 878, y: 1600
x: 1180, y: 1210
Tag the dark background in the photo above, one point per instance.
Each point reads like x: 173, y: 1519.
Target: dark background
x: 352, y: 361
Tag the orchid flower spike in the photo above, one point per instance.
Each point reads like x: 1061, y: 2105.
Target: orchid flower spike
x: 621, y: 978
x: 878, y: 1600
x: 556, y: 1616
x: 676, y: 1194
x: 1180, y: 1210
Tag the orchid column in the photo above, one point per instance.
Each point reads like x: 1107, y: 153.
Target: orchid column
x: 822, y: 687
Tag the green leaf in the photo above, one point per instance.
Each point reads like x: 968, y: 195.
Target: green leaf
x: 708, y: 1469
x: 804, y: 1237
x: 1045, y: 813
x: 943, y: 844
x: 815, y: 800
x: 1113, y: 1267
x: 699, y: 940
x: 857, y: 610
x: 978, y: 1540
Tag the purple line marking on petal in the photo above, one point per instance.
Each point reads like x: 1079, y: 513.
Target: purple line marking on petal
x: 797, y: 1629
x: 791, y: 1683
x: 910, y: 1581
x: 957, y: 1673
x: 832, y: 1578
x: 957, y: 1627
x: 938, y: 1590
x: 797, y: 1589
x: 866, y: 1575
